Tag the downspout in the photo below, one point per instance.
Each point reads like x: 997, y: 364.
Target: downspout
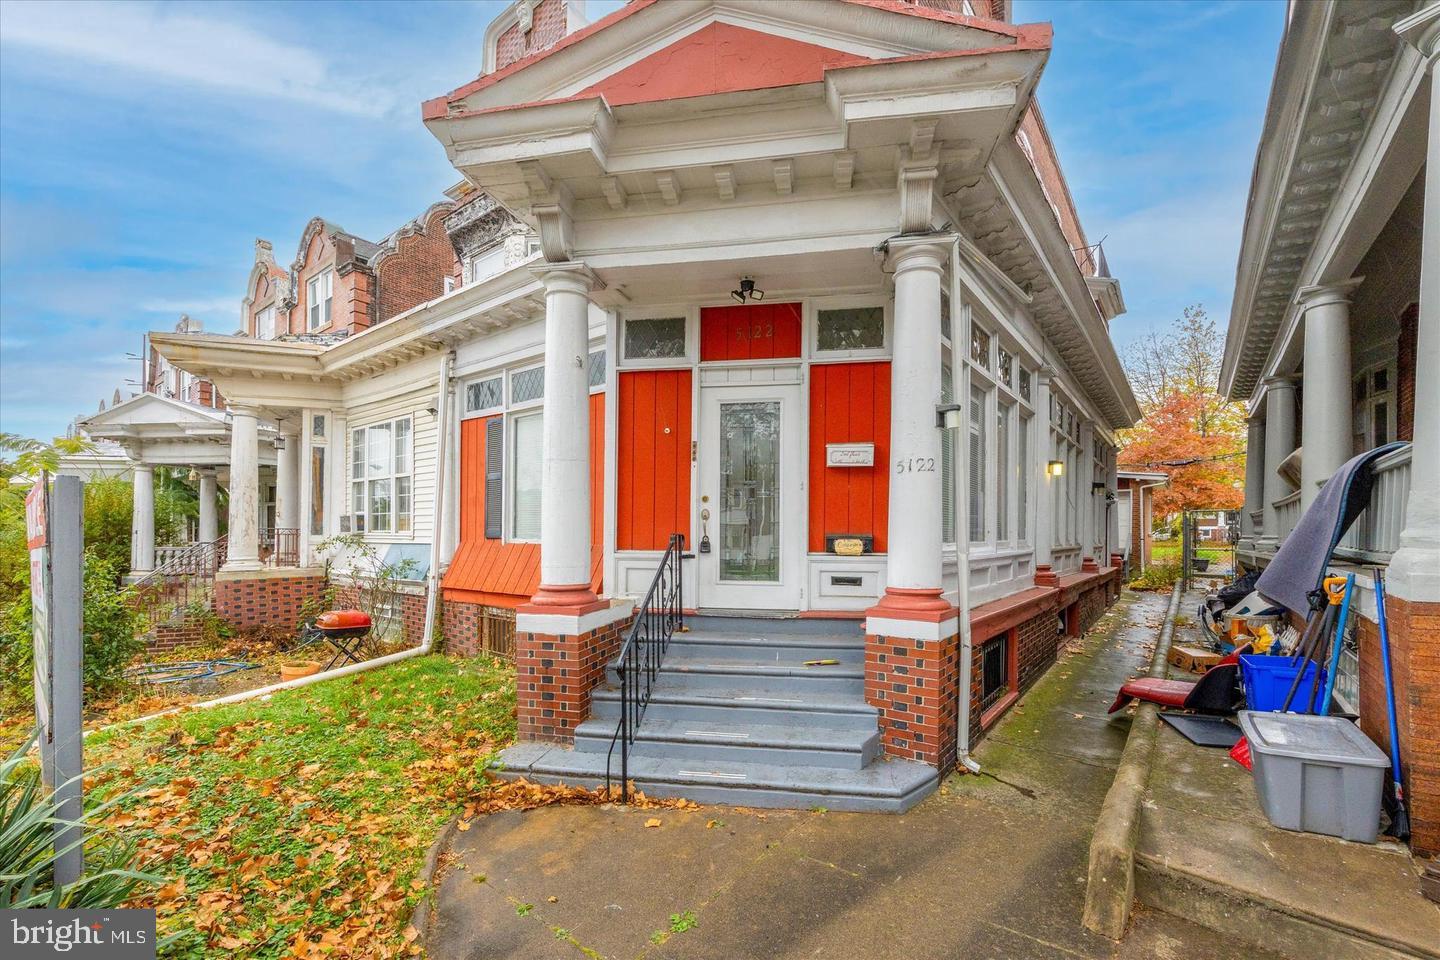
x: 960, y: 376
x: 432, y: 578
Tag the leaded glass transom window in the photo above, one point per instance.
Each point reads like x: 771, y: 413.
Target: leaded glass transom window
x: 979, y: 346
x: 650, y: 338
x: 527, y: 385
x: 1007, y: 368
x: 1024, y: 384
x: 484, y: 395
x: 851, y: 328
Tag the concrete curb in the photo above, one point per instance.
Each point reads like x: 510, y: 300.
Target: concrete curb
x: 420, y: 919
x: 1110, y: 886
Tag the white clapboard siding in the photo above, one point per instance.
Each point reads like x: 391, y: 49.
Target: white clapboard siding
x: 415, y: 404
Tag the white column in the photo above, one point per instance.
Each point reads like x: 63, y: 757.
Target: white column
x: 565, y: 450
x: 1254, y: 478
x: 1113, y: 541
x: 1043, y: 533
x: 243, y: 552
x: 287, y: 477
x: 209, y: 506
x: 914, y: 567
x: 142, y: 519
x: 1415, y: 567
x: 1279, y: 444
x: 1325, y: 417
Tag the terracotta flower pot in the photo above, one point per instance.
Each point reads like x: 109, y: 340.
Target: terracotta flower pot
x: 298, y: 669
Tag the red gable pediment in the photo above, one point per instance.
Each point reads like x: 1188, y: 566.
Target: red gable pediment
x: 720, y: 58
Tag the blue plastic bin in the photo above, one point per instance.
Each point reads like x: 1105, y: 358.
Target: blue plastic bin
x: 1267, y: 680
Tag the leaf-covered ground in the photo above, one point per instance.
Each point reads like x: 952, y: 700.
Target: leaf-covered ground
x: 295, y: 826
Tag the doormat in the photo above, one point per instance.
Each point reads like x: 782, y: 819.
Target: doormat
x: 1204, y: 731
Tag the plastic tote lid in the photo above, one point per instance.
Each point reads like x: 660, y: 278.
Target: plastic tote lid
x: 1310, y: 737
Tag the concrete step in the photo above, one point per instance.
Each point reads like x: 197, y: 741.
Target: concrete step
x: 761, y: 647
x: 798, y: 744
x: 889, y: 786
x: 779, y: 626
x: 772, y: 677
x: 677, y: 698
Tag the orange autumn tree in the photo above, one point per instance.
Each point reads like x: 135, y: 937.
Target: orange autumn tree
x: 1187, y: 431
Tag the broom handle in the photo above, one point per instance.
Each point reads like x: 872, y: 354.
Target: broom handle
x: 1389, y: 680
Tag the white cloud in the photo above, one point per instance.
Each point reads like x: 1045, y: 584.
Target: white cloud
x: 183, y: 48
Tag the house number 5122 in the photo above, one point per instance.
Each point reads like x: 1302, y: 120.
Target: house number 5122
x: 915, y: 465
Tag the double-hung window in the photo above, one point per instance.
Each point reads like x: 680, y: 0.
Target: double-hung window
x: 381, y: 466
x: 265, y: 323
x: 319, y: 298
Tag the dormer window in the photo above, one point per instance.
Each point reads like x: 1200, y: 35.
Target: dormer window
x: 319, y: 296
x: 265, y: 323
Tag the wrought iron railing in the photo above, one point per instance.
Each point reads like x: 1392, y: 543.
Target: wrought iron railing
x: 280, y: 546
x: 184, y: 580
x: 658, y: 618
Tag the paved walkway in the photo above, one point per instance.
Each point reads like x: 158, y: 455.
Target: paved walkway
x: 991, y: 866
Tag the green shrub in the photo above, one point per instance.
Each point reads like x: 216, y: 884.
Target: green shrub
x: 111, y: 625
x: 28, y: 815
x: 1160, y: 575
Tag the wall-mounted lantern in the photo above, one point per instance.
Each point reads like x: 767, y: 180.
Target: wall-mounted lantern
x: 947, y: 416
x: 1055, y: 468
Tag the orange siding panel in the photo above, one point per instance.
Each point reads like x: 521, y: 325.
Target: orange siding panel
x: 755, y: 331
x: 653, y: 499
x: 849, y: 403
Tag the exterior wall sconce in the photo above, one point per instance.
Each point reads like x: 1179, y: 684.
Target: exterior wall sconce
x: 1055, y: 468
x: 1097, y: 486
x: 947, y: 416
x: 746, y: 292
x: 279, y: 442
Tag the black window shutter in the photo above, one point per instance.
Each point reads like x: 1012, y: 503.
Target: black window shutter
x: 494, y: 475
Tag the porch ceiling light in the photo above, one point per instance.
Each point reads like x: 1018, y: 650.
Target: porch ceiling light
x: 279, y: 442
x: 746, y: 292
x: 1055, y: 468
x: 947, y: 416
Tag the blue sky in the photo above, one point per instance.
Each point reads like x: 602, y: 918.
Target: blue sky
x: 143, y: 148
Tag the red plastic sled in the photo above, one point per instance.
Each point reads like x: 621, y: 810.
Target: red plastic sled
x: 1216, y: 692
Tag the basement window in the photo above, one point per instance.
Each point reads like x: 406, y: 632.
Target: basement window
x: 994, y: 671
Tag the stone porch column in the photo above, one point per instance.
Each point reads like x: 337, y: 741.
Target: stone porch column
x: 1279, y: 444
x: 912, y: 635
x: 209, y: 506
x: 1325, y: 418
x: 1254, y: 478
x: 243, y: 552
x: 287, y: 477
x: 565, y: 443
x: 913, y: 579
x: 142, y: 520
x: 1415, y: 566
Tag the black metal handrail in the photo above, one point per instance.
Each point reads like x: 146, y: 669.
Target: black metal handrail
x: 658, y: 618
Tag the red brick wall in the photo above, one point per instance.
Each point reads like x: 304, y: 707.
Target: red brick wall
x: 1405, y: 373
x: 548, y: 28
x: 265, y: 601
x: 464, y: 624
x: 167, y: 637
x: 1414, y: 630
x: 554, y: 677
x: 915, y: 686
x: 1047, y: 167
x: 415, y: 272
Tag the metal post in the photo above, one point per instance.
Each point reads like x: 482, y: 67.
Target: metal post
x: 1185, y: 545
x: 58, y: 669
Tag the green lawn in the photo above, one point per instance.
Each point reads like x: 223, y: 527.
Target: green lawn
x: 296, y: 826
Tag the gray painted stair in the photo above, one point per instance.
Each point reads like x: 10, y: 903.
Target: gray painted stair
x: 736, y: 717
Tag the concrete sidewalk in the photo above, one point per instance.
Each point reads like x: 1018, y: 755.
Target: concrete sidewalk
x: 990, y: 866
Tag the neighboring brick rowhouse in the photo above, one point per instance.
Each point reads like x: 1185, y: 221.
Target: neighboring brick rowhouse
x: 915, y: 686
x: 554, y: 677
x: 168, y: 637
x: 547, y: 28
x: 1414, y: 630
x: 412, y: 268
x: 260, y: 598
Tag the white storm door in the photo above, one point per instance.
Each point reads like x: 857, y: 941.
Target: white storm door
x: 751, y: 490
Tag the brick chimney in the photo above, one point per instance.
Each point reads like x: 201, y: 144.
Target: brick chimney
x: 529, y: 26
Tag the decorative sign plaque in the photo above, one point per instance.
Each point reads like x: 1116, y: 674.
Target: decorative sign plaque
x: 849, y: 454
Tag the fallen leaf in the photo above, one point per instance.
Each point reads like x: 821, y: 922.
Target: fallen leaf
x: 653, y: 822
x: 463, y: 825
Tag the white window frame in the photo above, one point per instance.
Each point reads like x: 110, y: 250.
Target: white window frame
x: 1364, y: 409
x: 486, y: 256
x: 466, y: 411
x: 320, y: 300
x: 811, y: 320
x: 686, y: 361
x: 361, y: 483
x: 264, y: 317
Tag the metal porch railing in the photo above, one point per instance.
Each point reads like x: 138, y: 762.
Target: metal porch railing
x: 185, y: 579
x: 660, y: 615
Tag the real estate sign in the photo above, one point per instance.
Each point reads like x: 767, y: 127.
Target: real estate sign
x: 54, y: 534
